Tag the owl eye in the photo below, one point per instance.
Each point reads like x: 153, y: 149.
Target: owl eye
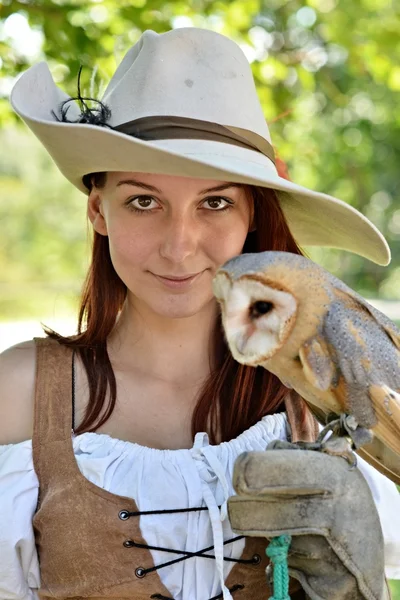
x: 260, y: 308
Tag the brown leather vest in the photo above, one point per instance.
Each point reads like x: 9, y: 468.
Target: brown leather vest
x: 79, y: 532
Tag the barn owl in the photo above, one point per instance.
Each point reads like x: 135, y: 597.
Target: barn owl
x: 287, y: 314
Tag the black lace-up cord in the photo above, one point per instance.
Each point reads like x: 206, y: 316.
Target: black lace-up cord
x: 234, y: 588
x: 160, y: 512
x: 187, y: 554
x: 125, y: 514
x: 249, y: 561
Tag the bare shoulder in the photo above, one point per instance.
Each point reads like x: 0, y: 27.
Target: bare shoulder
x: 17, y: 392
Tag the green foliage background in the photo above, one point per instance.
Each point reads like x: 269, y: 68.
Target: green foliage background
x: 328, y: 76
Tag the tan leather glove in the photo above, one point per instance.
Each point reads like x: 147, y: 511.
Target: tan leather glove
x: 327, y: 507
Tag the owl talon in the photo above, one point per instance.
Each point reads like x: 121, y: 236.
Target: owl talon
x: 347, y: 426
x: 338, y: 426
x: 340, y: 446
x: 283, y: 445
x: 334, y: 446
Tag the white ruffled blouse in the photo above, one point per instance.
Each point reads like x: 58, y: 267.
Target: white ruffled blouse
x: 154, y: 478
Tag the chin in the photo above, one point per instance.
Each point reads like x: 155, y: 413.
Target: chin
x: 178, y: 313
x: 182, y: 307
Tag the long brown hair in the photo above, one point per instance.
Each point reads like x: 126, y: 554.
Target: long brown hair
x: 235, y: 396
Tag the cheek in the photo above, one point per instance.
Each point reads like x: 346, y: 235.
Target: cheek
x: 129, y: 244
x: 229, y: 240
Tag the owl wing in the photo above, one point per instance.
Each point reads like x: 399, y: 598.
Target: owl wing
x: 368, y: 357
x: 349, y: 296
x: 382, y: 458
x: 355, y: 356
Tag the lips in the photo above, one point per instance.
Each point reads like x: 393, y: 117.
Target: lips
x: 180, y: 282
x: 176, y: 278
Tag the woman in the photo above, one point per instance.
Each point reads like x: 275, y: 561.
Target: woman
x: 179, y: 178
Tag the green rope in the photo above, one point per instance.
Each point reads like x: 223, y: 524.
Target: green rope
x: 277, y: 551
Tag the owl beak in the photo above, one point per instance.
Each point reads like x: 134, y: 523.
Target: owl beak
x: 240, y: 331
x: 241, y: 343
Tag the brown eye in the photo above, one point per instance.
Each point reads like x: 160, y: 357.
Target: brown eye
x: 142, y: 203
x: 217, y: 203
x: 260, y: 308
x: 214, y: 202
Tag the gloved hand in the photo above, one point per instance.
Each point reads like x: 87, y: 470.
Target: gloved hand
x: 337, y: 550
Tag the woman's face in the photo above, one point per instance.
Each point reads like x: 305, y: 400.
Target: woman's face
x: 168, y: 235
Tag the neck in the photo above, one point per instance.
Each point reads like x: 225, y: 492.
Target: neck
x: 171, y: 350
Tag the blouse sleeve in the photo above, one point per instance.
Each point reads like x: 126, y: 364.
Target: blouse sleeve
x: 19, y: 565
x: 387, y: 502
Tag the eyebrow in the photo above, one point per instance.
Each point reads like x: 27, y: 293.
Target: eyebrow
x: 151, y: 188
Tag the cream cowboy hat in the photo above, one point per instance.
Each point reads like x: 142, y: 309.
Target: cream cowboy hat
x: 184, y: 103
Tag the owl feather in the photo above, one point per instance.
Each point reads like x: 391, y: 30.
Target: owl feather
x: 289, y: 315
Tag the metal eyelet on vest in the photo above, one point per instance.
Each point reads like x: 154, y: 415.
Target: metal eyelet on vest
x: 129, y: 543
x: 123, y: 515
x: 256, y: 559
x: 140, y: 572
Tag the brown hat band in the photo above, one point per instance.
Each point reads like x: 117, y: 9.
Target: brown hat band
x: 168, y: 128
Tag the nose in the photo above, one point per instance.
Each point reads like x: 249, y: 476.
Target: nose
x: 180, y: 238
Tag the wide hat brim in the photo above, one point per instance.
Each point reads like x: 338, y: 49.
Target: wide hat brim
x: 315, y: 219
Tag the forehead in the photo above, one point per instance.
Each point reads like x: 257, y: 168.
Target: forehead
x: 167, y: 182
